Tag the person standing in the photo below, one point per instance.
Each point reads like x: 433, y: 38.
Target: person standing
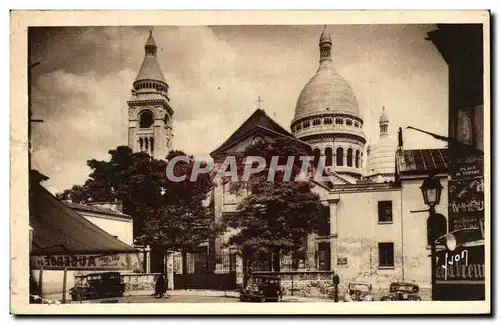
x: 161, y: 285
x: 336, y: 281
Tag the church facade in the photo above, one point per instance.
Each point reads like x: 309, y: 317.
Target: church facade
x: 375, y: 232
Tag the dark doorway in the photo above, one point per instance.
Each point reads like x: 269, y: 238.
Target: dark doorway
x: 157, y: 260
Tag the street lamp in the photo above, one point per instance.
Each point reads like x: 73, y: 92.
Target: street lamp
x: 431, y: 191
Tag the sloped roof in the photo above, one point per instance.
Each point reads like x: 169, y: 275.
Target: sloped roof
x: 95, y: 209
x: 422, y: 161
x: 58, y: 229
x: 259, y: 119
x: 150, y: 70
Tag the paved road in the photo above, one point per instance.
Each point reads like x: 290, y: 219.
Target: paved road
x: 174, y: 299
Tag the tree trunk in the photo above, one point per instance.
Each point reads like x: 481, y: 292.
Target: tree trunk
x: 184, y: 263
x: 246, y: 267
x: 276, y: 261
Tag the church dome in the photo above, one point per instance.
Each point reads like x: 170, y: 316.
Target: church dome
x: 381, y: 155
x: 328, y: 119
x: 328, y: 92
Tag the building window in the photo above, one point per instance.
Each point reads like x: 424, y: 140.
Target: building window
x: 324, y: 222
x: 385, y: 211
x: 348, y: 122
x: 317, y: 154
x: 349, y: 157
x: 465, y: 126
x: 386, y: 254
x: 357, y: 159
x: 298, y: 127
x: 146, y: 120
x: 440, y: 227
x: 328, y: 121
x: 356, y: 124
x: 340, y: 156
x: 316, y: 122
x: 329, y: 156
x: 306, y: 124
x: 339, y: 121
x: 324, y: 256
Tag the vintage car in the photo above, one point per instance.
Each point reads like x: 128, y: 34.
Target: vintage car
x: 98, y: 285
x: 402, y: 291
x: 358, y: 291
x: 262, y: 288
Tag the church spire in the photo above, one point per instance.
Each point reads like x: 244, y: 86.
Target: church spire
x: 384, y: 123
x: 150, y: 46
x: 150, y: 76
x: 325, y: 46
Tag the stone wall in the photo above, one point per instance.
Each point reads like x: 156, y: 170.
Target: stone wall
x: 304, y: 284
x: 139, y: 281
x: 319, y: 284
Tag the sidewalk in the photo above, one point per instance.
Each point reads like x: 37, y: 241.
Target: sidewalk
x: 205, y: 293
x: 221, y: 293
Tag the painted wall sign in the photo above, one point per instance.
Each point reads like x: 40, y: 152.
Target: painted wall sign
x: 466, y: 203
x: 85, y: 262
x: 341, y: 261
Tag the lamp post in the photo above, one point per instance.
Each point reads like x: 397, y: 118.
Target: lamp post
x: 431, y: 191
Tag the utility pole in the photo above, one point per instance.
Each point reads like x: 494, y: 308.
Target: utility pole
x: 30, y: 110
x: 432, y: 216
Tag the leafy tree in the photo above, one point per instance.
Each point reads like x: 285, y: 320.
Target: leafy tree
x: 184, y: 219
x: 276, y: 216
x: 161, y: 209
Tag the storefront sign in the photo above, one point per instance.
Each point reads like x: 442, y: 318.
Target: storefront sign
x: 466, y: 203
x: 85, y: 262
x: 464, y: 264
x: 467, y: 167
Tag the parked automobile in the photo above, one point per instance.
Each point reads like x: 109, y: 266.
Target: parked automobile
x: 358, y: 291
x: 98, y: 285
x: 262, y: 288
x: 402, y: 291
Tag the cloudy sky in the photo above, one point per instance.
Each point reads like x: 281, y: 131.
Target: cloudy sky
x: 215, y: 75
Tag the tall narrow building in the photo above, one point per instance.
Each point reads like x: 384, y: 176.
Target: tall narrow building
x: 149, y: 110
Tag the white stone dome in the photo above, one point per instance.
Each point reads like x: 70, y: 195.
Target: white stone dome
x: 381, y: 157
x: 326, y: 92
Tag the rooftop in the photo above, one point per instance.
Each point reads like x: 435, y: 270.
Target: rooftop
x: 95, y: 209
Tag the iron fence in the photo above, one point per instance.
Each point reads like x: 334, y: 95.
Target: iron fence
x: 304, y: 262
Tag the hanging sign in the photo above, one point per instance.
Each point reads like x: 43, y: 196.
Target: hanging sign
x: 463, y: 264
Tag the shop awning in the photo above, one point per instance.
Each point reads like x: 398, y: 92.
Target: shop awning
x: 59, y: 230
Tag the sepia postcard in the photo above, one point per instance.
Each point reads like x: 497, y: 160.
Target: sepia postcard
x: 250, y: 162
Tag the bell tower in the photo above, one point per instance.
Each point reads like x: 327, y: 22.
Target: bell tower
x: 149, y: 111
